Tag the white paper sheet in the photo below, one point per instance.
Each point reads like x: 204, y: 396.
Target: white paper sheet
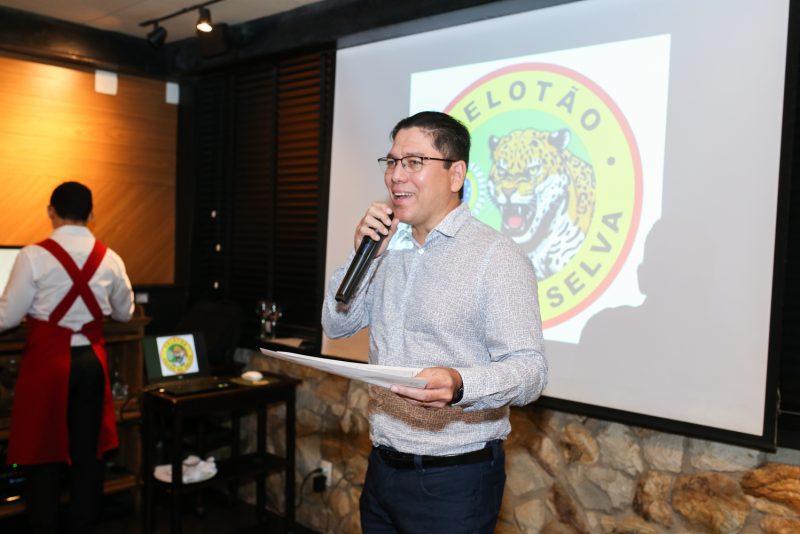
x: 379, y: 375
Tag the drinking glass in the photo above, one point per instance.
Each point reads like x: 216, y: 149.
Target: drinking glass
x: 269, y: 312
x: 119, y: 389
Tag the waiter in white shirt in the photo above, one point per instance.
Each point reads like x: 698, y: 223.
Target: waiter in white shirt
x: 62, y: 413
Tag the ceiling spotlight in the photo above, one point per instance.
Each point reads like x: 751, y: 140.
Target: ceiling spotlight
x: 204, y: 20
x: 157, y: 36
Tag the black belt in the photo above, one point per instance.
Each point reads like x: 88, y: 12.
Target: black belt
x: 402, y: 460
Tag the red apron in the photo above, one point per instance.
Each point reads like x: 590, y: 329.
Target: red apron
x: 39, y: 416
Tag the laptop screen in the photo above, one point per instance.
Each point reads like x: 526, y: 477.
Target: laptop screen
x: 175, y: 357
x: 7, y: 257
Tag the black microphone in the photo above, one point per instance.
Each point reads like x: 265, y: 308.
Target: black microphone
x: 364, y: 255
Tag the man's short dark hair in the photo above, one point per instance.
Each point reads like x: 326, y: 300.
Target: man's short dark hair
x: 72, y: 201
x: 450, y: 137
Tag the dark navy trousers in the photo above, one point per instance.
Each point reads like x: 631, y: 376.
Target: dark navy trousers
x: 455, y: 499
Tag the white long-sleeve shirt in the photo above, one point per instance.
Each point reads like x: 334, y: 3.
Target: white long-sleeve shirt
x: 38, y: 282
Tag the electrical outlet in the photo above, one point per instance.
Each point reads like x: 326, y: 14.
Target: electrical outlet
x: 327, y: 470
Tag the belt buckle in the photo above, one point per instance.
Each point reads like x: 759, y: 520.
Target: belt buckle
x: 395, y: 458
x: 395, y: 455
x: 467, y: 458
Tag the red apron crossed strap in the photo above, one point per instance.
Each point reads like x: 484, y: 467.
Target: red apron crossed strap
x: 39, y: 416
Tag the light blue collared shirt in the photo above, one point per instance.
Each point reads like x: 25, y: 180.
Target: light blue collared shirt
x: 466, y: 299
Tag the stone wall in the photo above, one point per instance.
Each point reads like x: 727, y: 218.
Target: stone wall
x: 566, y: 473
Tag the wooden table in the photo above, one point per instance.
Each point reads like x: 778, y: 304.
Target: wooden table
x: 236, y: 399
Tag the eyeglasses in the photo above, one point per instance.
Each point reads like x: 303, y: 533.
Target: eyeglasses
x: 409, y: 163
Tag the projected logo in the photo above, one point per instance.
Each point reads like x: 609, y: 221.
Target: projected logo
x: 554, y: 166
x: 177, y: 355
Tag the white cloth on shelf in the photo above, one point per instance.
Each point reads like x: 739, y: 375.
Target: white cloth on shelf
x: 194, y: 470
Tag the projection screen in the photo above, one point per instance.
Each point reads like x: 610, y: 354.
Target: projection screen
x: 667, y: 119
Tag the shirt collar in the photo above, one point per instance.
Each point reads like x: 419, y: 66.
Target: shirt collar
x: 449, y: 226
x: 453, y: 221
x: 72, y: 230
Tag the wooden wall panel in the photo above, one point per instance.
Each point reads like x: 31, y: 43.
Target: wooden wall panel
x: 54, y: 127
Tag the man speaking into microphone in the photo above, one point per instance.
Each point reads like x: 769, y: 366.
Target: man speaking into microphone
x: 452, y: 296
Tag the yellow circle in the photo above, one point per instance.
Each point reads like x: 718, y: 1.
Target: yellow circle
x: 176, y: 355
